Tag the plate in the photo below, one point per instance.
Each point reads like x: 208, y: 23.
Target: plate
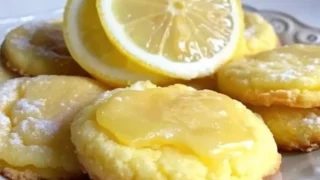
x: 290, y: 29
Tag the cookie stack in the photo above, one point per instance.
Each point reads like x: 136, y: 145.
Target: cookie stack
x: 283, y: 86
x: 100, y: 97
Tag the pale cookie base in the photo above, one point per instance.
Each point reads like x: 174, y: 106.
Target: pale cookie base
x: 90, y: 165
x: 102, y: 157
x: 294, y: 129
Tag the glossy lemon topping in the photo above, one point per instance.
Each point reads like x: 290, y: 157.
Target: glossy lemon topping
x: 197, y: 122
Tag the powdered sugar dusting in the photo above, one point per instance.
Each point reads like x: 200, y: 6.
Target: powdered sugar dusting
x: 8, y: 91
x: 4, y: 120
x: 15, y: 139
x: 49, y: 31
x: 107, y: 95
x: 312, y: 120
x: 283, y: 65
x: 39, y: 127
x: 30, y: 106
x: 138, y: 86
x: 42, y: 79
x: 5, y: 125
x: 223, y: 113
x: 255, y: 25
x: 21, y: 42
x: 286, y: 75
x: 142, y: 85
x: 33, y: 26
x: 118, y: 99
x: 250, y: 32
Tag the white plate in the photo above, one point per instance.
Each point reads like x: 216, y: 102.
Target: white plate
x: 297, y: 22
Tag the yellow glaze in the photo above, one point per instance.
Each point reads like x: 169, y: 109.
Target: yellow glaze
x: 199, y: 122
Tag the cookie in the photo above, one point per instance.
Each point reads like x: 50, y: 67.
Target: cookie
x: 259, y: 34
x: 5, y: 73
x: 294, y: 129
x: 35, y: 117
x: 288, y: 76
x: 147, y: 133
x: 38, y: 48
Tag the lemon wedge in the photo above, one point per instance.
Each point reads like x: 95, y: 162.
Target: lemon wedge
x: 90, y: 47
x: 179, y: 38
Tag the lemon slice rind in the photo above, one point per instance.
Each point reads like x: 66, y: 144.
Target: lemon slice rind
x: 114, y: 76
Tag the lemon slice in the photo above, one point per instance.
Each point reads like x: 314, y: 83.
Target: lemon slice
x: 179, y: 38
x: 90, y: 47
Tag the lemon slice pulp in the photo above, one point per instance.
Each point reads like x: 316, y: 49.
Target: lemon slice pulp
x: 179, y: 38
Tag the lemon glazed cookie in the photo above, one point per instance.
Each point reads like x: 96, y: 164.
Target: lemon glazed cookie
x: 38, y: 48
x: 35, y: 122
x: 259, y: 34
x: 5, y: 74
x: 287, y: 76
x: 178, y: 133
x: 294, y: 129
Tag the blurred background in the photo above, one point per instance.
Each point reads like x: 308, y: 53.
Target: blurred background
x: 305, y: 10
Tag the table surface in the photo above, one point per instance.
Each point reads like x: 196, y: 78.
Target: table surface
x: 295, y: 166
